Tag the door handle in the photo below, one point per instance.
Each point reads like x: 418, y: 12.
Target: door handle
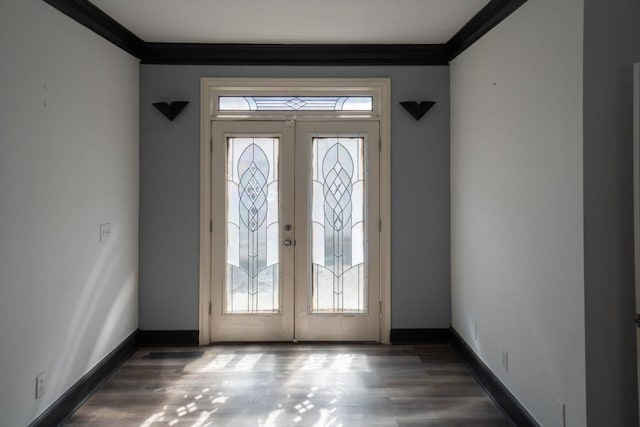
x: 287, y: 243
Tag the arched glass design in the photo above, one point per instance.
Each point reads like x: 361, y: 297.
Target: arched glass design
x: 338, y: 282
x: 252, y: 282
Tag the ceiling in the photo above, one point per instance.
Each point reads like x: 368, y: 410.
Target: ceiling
x: 293, y: 21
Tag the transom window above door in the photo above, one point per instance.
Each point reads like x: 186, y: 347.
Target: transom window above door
x: 296, y: 98
x: 295, y: 103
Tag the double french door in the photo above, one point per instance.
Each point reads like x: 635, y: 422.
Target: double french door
x: 295, y: 231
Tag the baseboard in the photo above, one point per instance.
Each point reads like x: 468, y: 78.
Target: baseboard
x: 409, y: 336
x: 66, y: 404
x: 493, y: 386
x: 169, y: 338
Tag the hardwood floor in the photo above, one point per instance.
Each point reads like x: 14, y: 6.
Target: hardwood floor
x: 291, y: 385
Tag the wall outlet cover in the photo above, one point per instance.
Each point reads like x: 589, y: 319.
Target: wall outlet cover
x: 505, y: 360
x: 40, y: 385
x: 562, y: 413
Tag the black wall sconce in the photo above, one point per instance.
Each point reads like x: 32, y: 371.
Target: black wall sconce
x: 417, y: 110
x: 170, y: 111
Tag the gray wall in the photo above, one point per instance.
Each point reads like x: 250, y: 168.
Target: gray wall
x: 68, y: 162
x: 169, y: 186
x: 611, y: 46
x: 516, y: 211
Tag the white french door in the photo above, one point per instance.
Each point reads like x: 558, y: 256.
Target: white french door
x: 295, y: 231
x: 337, y: 284
x: 252, y: 191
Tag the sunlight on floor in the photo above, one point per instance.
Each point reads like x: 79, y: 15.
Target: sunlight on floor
x: 247, y: 362
x: 291, y: 385
x: 313, y: 405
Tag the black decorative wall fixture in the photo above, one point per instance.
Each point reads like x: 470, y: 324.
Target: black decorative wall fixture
x: 417, y: 110
x: 170, y: 111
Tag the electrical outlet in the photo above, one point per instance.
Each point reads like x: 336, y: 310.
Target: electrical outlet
x: 105, y: 232
x: 505, y: 360
x: 40, y: 385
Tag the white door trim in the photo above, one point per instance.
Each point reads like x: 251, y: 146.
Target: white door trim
x: 210, y: 88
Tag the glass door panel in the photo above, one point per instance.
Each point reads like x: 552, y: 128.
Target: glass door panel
x: 338, y: 225
x: 252, y: 279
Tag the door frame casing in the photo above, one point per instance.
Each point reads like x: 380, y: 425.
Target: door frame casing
x: 211, y: 88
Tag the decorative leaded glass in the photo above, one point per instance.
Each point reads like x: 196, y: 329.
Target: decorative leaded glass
x: 338, y: 225
x: 252, y: 282
x: 295, y: 103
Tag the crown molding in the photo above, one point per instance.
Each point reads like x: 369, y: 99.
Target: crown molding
x: 89, y: 15
x: 293, y: 54
x: 92, y: 17
x: 488, y: 17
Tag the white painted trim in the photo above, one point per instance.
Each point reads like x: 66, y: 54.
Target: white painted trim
x: 204, y: 322
x: 385, y: 213
x: 379, y: 88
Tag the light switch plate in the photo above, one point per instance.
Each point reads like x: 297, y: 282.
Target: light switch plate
x: 105, y: 232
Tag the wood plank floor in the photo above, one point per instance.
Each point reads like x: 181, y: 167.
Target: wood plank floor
x: 291, y: 385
